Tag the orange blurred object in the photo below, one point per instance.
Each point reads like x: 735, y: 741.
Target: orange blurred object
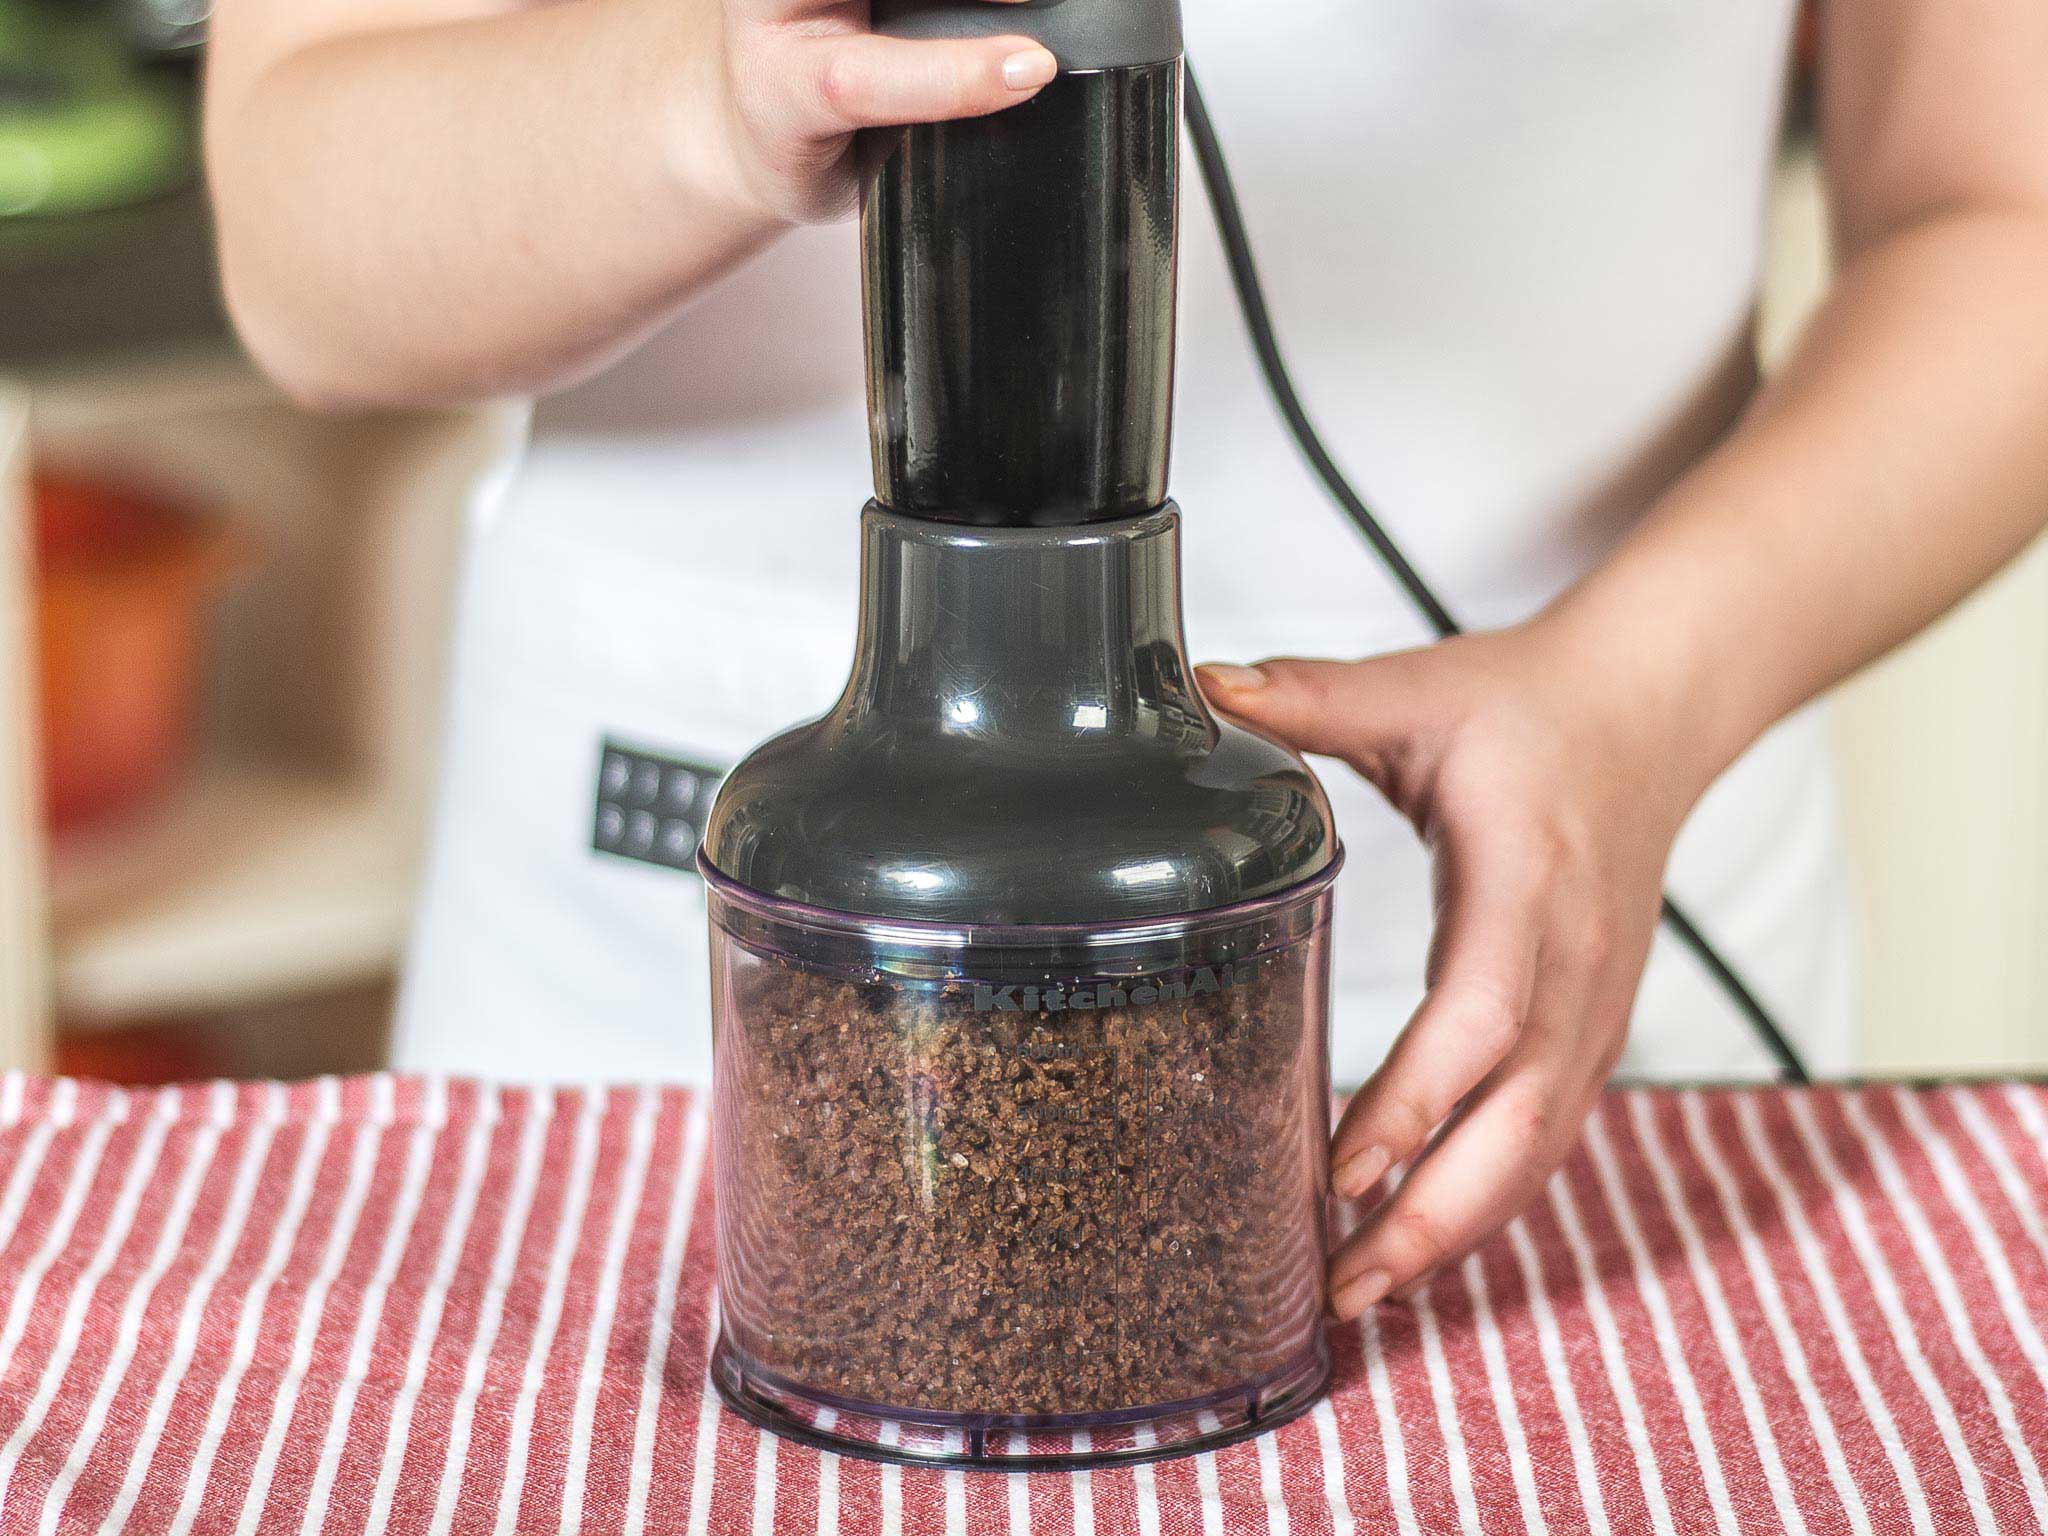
x: 144, y: 1055
x: 122, y: 583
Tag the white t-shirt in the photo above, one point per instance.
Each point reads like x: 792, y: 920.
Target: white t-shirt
x: 1513, y: 248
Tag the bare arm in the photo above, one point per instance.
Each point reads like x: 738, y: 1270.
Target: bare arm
x: 1898, y: 461
x: 1902, y: 456
x: 425, y: 199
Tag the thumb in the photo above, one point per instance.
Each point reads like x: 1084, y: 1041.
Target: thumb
x: 1347, y: 709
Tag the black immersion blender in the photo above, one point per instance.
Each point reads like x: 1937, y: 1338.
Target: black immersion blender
x: 1020, y: 954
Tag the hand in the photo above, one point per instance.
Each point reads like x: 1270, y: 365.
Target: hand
x: 1549, y: 792
x: 767, y: 110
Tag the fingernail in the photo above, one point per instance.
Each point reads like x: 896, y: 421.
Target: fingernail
x: 1029, y: 69
x: 1235, y: 679
x: 1368, y: 1290
x: 1355, y: 1177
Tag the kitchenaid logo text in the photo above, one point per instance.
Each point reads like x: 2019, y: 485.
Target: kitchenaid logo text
x: 1082, y: 997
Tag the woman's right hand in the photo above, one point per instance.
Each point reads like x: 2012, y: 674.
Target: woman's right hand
x: 796, y: 78
x: 420, y: 201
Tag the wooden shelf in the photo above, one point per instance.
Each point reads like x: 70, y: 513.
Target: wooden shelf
x: 283, y: 867
x: 252, y: 883
x: 24, y: 967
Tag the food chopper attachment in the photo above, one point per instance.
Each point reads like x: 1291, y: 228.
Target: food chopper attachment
x: 1020, y: 961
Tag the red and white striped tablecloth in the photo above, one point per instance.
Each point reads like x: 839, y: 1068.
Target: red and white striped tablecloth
x: 392, y: 1304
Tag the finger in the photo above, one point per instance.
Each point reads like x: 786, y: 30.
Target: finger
x: 1491, y: 885
x: 861, y: 80
x: 1471, y: 1183
x: 1344, y: 709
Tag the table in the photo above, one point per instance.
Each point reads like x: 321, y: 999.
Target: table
x: 403, y: 1304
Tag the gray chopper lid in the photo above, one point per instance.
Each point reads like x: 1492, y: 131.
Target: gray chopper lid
x: 1021, y: 742
x: 1082, y: 34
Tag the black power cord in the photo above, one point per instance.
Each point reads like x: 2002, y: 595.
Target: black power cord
x: 1258, y: 318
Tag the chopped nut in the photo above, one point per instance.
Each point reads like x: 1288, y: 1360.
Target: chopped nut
x: 1124, y: 1243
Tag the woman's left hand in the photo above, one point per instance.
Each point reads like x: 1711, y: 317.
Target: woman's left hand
x: 1549, y: 781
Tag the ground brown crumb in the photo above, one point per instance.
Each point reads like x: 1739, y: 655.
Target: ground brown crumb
x: 931, y: 1201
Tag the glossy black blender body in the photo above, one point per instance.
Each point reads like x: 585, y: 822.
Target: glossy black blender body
x: 1020, y: 959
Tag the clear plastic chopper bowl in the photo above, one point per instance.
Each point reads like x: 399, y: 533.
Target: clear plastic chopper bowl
x: 1024, y: 1195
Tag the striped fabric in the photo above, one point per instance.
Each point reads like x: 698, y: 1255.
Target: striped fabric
x: 404, y: 1305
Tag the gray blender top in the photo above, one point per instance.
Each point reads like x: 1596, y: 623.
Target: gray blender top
x: 1082, y: 34
x: 1021, y: 742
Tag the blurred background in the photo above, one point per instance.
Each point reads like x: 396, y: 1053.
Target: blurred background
x: 222, y: 626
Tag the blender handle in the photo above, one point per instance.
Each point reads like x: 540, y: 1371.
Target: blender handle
x: 1082, y: 34
x: 1019, y: 273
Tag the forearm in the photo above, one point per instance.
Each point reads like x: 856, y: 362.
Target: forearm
x: 470, y: 207
x: 1897, y: 462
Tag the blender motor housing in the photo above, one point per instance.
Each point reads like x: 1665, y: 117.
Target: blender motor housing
x: 1020, y: 960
